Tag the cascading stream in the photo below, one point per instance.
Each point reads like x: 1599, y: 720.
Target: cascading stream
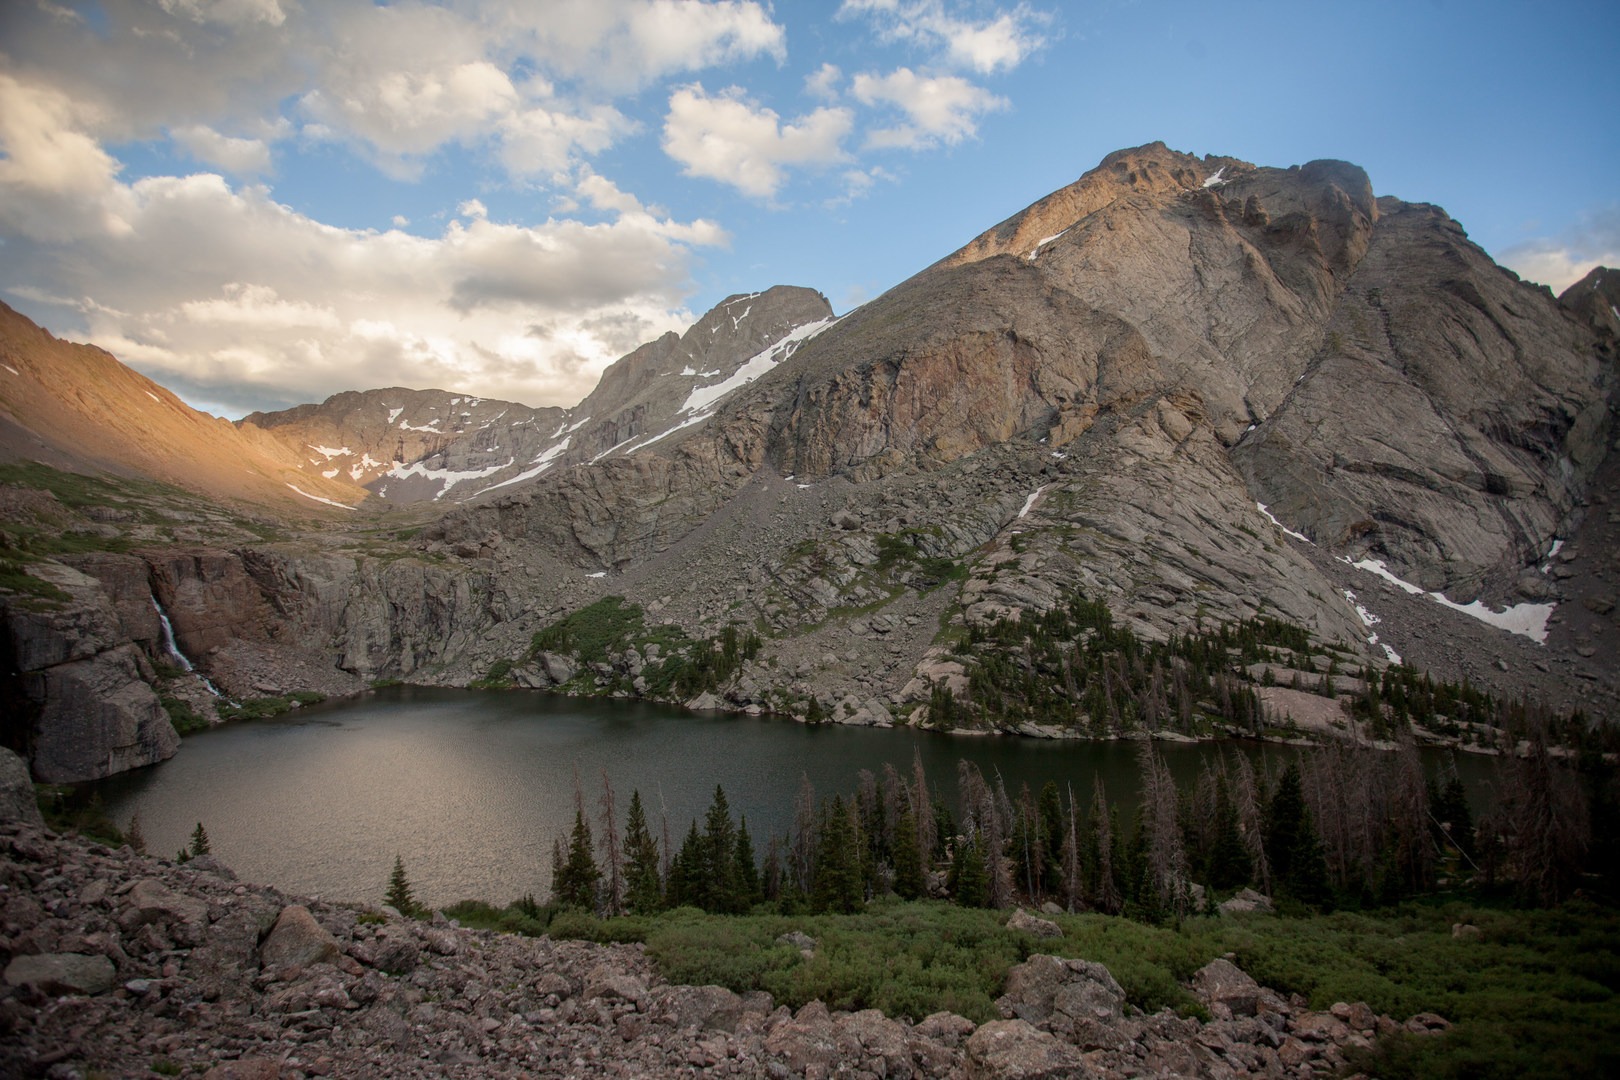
x: 172, y: 647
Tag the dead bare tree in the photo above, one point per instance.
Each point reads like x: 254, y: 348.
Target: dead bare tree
x: 613, y: 855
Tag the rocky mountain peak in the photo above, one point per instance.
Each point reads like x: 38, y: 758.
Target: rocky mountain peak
x: 1595, y: 299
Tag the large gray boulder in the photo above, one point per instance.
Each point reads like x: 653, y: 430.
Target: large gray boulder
x: 297, y: 940
x: 62, y: 973
x: 17, y: 802
x: 1017, y: 1050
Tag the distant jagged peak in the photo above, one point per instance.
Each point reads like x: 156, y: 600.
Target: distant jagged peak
x: 1150, y: 170
x: 1595, y: 299
x: 1153, y: 173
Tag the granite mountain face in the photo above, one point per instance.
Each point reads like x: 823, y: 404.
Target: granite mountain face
x: 1196, y: 390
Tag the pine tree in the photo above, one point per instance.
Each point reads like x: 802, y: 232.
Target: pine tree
x: 576, y: 886
x: 909, y: 879
x: 644, y: 892
x: 1229, y: 863
x: 837, y: 885
x: 1293, y: 848
x: 718, y: 893
x: 399, y: 895
x: 199, y: 841
x: 134, y: 836
x: 686, y: 887
x: 746, y: 868
x: 969, y: 878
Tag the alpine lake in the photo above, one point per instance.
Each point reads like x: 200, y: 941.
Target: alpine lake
x: 471, y: 787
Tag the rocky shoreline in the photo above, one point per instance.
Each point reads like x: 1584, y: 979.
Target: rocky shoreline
x: 120, y: 964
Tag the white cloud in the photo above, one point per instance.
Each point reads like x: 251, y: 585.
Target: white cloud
x: 228, y: 12
x: 473, y: 208
x: 728, y: 138
x: 1561, y: 261
x: 938, y: 109
x: 531, y: 313
x: 243, y: 157
x: 998, y: 43
x: 823, y: 82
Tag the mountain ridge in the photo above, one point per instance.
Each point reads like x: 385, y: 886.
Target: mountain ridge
x: 1201, y: 392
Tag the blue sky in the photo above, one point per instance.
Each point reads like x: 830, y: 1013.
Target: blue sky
x: 262, y: 202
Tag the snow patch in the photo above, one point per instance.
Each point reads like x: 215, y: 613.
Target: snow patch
x: 576, y: 427
x: 1217, y: 179
x: 1280, y: 525
x: 393, y: 414
x: 317, y: 498
x: 406, y: 425
x: 1526, y: 620
x: 1029, y: 503
x: 1552, y: 553
x: 703, y: 397
x: 11, y: 369
x: 449, y: 477
x: 1369, y: 620
x: 331, y: 474
x: 1036, y: 250
x: 599, y: 573
x: 541, y: 463
x: 148, y: 393
x: 329, y: 453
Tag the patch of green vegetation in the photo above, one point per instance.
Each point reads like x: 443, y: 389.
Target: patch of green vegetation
x: 35, y: 594
x: 1537, y: 994
x: 498, y: 677
x: 523, y: 916
x: 185, y: 719
x: 591, y: 633
x: 263, y: 708
x: 69, y: 809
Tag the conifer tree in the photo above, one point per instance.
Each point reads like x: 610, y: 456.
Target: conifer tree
x: 1292, y: 846
x: 644, y: 892
x: 133, y: 836
x: 199, y: 841
x: 969, y: 878
x: 909, y: 880
x: 576, y: 886
x: 686, y: 888
x: 399, y: 895
x: 837, y: 885
x: 749, y: 892
x: 718, y: 887
x: 1229, y: 863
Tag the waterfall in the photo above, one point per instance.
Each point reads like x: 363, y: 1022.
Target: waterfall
x: 172, y: 647
x: 169, y: 645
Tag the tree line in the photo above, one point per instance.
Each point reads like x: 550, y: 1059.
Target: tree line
x: 1334, y: 825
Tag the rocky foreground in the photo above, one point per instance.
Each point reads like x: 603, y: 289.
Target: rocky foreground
x: 118, y: 964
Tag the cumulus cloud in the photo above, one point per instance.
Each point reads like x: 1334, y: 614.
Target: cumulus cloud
x: 998, y: 43
x: 243, y: 157
x: 729, y: 138
x: 938, y: 109
x: 1561, y: 261
x: 220, y: 290
x: 330, y: 309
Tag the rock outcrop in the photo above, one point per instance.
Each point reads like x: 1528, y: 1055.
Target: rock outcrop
x: 119, y: 964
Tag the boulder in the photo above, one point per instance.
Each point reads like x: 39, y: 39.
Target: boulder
x: 62, y: 973
x: 17, y: 802
x: 1223, y: 983
x: 150, y: 901
x: 1043, y: 986
x: 1032, y: 924
x: 1246, y: 902
x: 297, y: 940
x: 1017, y: 1050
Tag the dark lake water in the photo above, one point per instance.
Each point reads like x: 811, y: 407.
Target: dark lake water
x: 470, y: 787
